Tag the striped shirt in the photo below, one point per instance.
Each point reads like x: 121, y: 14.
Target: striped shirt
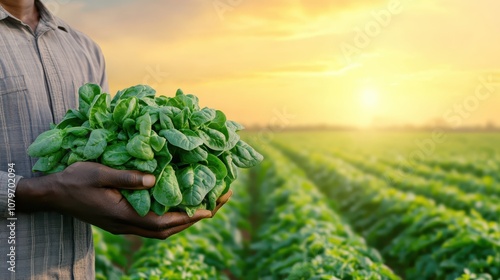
x: 40, y: 73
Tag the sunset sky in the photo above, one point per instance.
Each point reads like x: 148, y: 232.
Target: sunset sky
x: 298, y: 62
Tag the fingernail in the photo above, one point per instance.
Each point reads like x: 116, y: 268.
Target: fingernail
x: 206, y: 213
x: 148, y: 180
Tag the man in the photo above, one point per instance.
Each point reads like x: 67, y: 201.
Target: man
x: 46, y: 232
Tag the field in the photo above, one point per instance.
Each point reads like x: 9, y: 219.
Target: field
x: 339, y: 205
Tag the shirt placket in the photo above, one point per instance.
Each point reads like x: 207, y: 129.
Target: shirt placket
x: 52, y: 78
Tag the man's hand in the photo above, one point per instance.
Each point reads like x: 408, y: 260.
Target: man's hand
x: 90, y: 192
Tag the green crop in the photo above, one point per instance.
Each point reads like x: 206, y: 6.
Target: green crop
x: 193, y: 152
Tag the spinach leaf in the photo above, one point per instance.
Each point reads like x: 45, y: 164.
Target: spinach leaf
x: 86, y: 95
x: 98, y: 110
x: 157, y: 208
x: 193, y: 156
x: 213, y: 139
x: 126, y: 108
x: 201, y: 117
x: 216, y: 166
x: 215, y: 193
x: 185, y: 138
x: 46, y: 143
x: 157, y: 142
x: 139, y: 147
x: 245, y: 156
x: 234, y: 126
x: 139, y: 199
x: 166, y: 190
x: 96, y: 145
x: 116, y: 154
x: 195, y: 183
x: 48, y: 162
x: 148, y: 166
x: 143, y: 124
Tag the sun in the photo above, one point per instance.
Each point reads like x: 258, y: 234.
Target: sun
x: 369, y: 98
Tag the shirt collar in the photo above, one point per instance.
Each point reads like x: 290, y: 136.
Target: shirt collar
x: 45, y: 15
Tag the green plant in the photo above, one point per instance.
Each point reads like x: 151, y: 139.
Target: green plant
x: 193, y: 152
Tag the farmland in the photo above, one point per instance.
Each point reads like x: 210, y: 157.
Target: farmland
x: 339, y: 205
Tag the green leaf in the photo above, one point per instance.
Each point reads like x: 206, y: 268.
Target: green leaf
x: 216, y: 166
x: 219, y: 120
x: 157, y: 208
x: 152, y: 111
x: 143, y: 124
x: 147, y: 166
x: 191, y: 210
x: 181, y: 119
x: 201, y: 117
x: 138, y: 91
x: 195, y: 183
x: 75, y: 157
x: 98, y: 111
x: 46, y: 143
x: 213, y: 139
x: 77, y: 131
x: 245, y: 156
x: 215, y: 193
x: 139, y: 147
x: 96, y: 145
x: 116, y: 154
x: 139, y: 199
x: 193, y: 156
x: 234, y: 126
x: 58, y: 168
x: 161, y: 100
x: 129, y: 127
x: 70, y: 119
x: 185, y: 139
x: 157, y: 142
x: 48, y: 162
x: 126, y: 108
x: 232, y: 172
x: 164, y: 153
x: 232, y: 140
x: 86, y: 95
x: 166, y: 190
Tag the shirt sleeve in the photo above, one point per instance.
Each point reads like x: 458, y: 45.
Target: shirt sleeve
x: 8, y: 185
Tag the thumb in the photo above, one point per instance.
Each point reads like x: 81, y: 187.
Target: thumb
x: 126, y: 179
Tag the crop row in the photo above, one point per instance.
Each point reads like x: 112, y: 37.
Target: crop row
x: 300, y: 236
x: 467, y: 182
x: 421, y: 239
x: 480, y: 167
x: 442, y: 192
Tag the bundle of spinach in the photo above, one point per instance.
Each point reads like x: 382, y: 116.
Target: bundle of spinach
x: 193, y: 152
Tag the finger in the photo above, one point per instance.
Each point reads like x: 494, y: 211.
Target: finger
x: 160, y: 234
x: 222, y: 200
x: 225, y: 197
x: 169, y: 220
x: 125, y: 179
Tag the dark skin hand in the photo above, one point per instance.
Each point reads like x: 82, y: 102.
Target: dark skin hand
x: 90, y: 192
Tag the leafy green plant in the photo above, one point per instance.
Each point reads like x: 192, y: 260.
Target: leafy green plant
x: 193, y: 152
x: 301, y: 237
x: 424, y: 240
